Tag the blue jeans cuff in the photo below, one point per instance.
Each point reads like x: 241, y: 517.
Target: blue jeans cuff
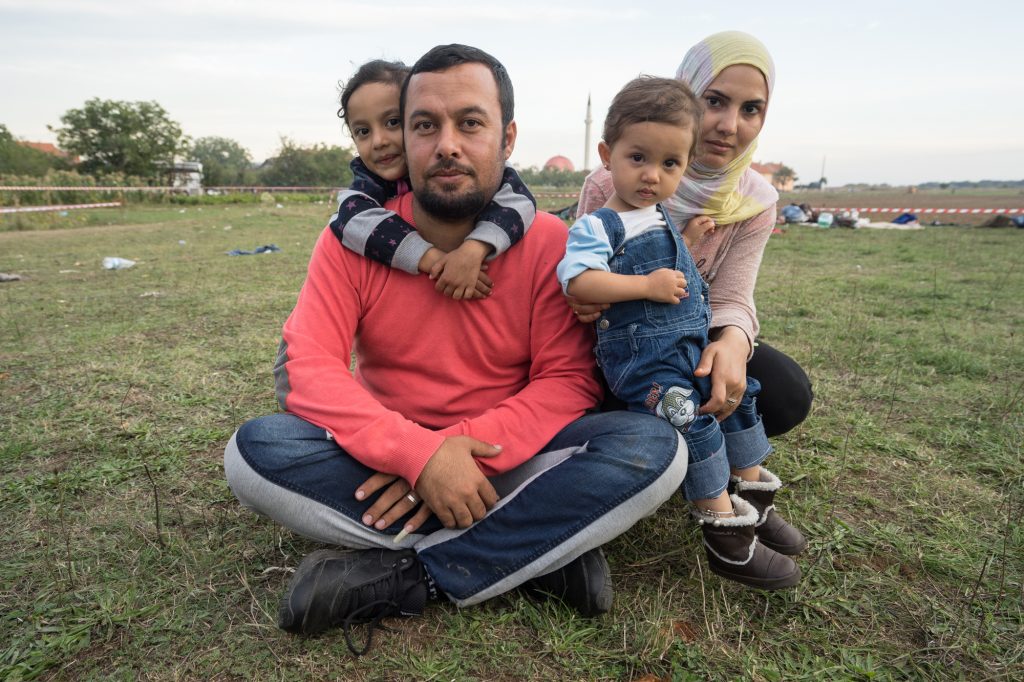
x: 747, y: 448
x: 707, y: 478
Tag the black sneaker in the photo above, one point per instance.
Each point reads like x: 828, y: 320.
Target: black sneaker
x: 332, y: 588
x: 585, y: 584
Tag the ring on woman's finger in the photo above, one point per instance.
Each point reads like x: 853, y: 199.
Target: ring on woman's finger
x: 412, y: 498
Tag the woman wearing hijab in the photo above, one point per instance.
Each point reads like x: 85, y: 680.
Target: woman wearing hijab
x: 733, y: 74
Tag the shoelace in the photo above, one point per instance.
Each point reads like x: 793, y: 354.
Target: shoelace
x: 372, y: 623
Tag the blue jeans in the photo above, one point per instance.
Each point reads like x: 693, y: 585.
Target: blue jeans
x: 648, y: 352
x: 741, y: 443
x: 593, y: 481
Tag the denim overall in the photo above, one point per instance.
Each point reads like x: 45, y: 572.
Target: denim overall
x: 648, y: 352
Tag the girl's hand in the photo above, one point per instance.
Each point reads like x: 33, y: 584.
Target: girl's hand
x: 666, y: 286
x: 586, y: 312
x: 725, y: 359
x: 430, y: 258
x: 459, y: 274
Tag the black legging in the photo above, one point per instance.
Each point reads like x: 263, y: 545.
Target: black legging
x: 785, y: 397
x: 786, y: 394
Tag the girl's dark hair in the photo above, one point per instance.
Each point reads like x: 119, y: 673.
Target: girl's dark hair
x: 649, y: 99
x: 377, y: 71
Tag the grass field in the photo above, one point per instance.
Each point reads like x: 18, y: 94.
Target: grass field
x: 127, y: 557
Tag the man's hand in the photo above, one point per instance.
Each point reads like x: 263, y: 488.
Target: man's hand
x: 392, y: 504
x: 666, y: 286
x: 725, y: 359
x: 453, y: 486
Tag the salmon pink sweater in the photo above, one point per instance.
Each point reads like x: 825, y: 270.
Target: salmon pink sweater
x: 512, y: 369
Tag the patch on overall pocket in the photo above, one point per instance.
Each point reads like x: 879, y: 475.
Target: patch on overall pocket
x: 677, y: 408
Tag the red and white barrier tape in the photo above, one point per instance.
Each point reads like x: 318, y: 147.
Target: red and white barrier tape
x: 63, y: 207
x: 89, y: 188
x: 260, y: 188
x: 929, y: 210
x: 83, y: 188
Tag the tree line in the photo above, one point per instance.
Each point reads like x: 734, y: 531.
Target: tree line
x: 127, y: 143
x: 132, y: 142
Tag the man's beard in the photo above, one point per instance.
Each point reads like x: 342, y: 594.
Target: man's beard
x: 445, y: 204
x: 448, y: 206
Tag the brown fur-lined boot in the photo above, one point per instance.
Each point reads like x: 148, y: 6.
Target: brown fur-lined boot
x: 772, y: 530
x: 734, y: 552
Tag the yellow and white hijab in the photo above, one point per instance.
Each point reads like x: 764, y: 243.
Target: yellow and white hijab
x: 734, y: 192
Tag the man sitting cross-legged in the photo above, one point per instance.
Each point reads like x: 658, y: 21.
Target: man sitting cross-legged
x: 466, y: 424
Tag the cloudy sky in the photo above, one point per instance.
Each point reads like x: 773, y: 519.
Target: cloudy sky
x: 895, y: 91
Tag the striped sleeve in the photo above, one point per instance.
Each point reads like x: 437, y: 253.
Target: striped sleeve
x: 508, y: 216
x: 362, y: 226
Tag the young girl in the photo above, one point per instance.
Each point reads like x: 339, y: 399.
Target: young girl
x: 650, y: 340
x: 370, y: 108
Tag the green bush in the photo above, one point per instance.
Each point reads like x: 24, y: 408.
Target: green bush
x: 64, y: 178
x: 17, y: 159
x: 87, y: 194
x: 316, y: 165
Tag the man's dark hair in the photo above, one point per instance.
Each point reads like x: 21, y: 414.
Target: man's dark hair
x: 376, y: 71
x: 444, y: 57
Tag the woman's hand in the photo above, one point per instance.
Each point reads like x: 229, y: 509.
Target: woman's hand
x: 586, y: 312
x: 725, y: 359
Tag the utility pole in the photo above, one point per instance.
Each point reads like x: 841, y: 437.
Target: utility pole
x: 586, y: 141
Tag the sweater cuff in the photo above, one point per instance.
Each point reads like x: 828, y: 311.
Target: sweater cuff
x: 492, y: 235
x: 738, y: 321
x: 413, y: 453
x: 410, y: 252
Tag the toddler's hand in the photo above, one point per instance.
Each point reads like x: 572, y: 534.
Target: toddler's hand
x: 666, y: 286
x: 696, y: 228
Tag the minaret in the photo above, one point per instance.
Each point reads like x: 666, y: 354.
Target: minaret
x: 586, y: 141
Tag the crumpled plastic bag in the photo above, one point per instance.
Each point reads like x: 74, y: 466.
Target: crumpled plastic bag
x: 115, y: 263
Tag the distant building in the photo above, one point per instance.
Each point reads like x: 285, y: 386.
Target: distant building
x: 559, y: 163
x: 48, y: 148
x: 770, y: 172
x: 186, y: 176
